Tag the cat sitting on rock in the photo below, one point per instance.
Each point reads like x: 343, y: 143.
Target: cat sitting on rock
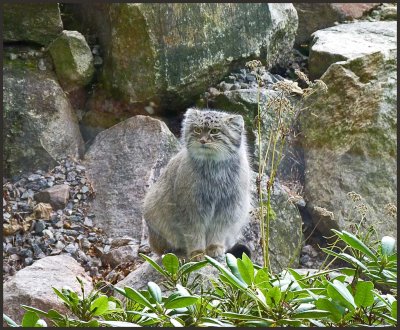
x: 202, y: 199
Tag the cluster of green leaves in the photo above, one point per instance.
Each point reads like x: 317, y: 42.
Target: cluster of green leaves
x: 244, y: 294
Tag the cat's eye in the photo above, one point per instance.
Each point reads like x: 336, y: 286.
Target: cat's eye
x: 197, y: 130
x: 214, y: 131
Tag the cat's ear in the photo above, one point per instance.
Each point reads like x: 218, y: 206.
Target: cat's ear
x: 191, y: 112
x: 236, y: 121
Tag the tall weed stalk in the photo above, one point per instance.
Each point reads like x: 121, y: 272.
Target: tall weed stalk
x: 286, y: 109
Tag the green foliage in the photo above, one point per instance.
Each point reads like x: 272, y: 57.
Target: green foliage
x: 245, y: 294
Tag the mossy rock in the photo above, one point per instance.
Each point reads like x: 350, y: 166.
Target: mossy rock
x: 39, y: 123
x: 73, y: 60
x: 169, y: 53
x: 350, y: 142
x: 38, y: 23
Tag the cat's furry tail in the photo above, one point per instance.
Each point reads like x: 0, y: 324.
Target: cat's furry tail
x: 238, y: 249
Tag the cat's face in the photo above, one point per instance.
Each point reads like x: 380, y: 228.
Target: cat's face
x: 212, y: 134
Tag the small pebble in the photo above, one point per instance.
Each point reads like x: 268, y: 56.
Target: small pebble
x: 70, y: 248
x: 88, y: 222
x: 12, y: 56
x: 59, y: 245
x: 41, y: 65
x: 28, y: 261
x: 26, y: 253
x: 34, y: 177
x: 39, y: 226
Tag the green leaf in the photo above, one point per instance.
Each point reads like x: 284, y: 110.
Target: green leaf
x: 89, y: 324
x: 29, y: 319
x: 273, y: 296
x: 155, y: 265
x: 249, y: 265
x: 135, y: 296
x: 9, y: 321
x: 364, y: 296
x: 99, y: 306
x: 355, y: 243
x: 244, y: 273
x: 257, y: 323
x: 271, y: 212
x: 155, y: 291
x: 311, y: 314
x: 147, y: 315
x: 35, y: 310
x: 180, y: 302
x: 54, y: 315
x: 175, y: 323
x: 182, y: 290
x: 244, y: 317
x: 388, y: 318
x: 335, y: 310
x: 350, y: 259
x: 394, y: 309
x: 62, y: 296
x: 171, y: 263
x: 190, y: 267
x: 262, y: 279
x: 231, y: 262
x: 233, y: 280
x: 348, y: 271
x: 119, y: 323
x: 293, y: 323
x: 211, y: 322
x: 388, y: 245
x: 338, y: 292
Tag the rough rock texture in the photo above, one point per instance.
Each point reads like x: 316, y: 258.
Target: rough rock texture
x: 73, y: 60
x: 348, y: 41
x: 32, y: 285
x: 39, y: 23
x: 57, y: 196
x: 121, y: 163
x: 182, y: 48
x: 39, y: 123
x: 139, y: 278
x: 317, y: 16
x: 349, y: 134
x: 120, y: 254
x: 384, y: 12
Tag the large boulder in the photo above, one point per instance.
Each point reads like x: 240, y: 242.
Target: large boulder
x: 317, y: 16
x: 349, y: 134
x: 348, y: 41
x: 73, y: 60
x: 32, y: 285
x: 121, y: 163
x: 31, y: 22
x: 161, y: 55
x: 40, y: 125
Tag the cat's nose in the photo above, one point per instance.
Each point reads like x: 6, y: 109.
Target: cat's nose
x: 203, y: 140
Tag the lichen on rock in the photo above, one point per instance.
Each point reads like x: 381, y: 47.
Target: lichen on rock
x: 73, y: 60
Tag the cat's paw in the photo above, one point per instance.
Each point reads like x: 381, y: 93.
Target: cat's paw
x: 215, y: 250
x: 196, y: 255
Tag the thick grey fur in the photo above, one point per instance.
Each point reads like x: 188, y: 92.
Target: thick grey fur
x: 202, y: 199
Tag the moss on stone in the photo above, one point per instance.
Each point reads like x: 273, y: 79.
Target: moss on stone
x: 39, y: 23
x: 73, y: 60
